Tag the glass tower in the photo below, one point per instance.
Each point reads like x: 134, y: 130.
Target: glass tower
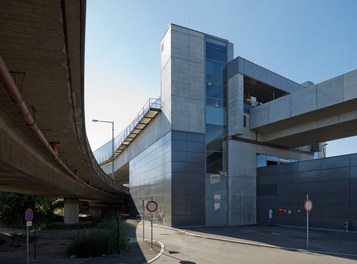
x: 216, y: 132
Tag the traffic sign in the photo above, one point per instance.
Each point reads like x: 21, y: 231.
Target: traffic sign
x: 29, y: 215
x: 151, y: 206
x: 308, y: 205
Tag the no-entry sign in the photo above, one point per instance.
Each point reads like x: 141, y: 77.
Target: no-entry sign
x: 308, y: 205
x: 151, y: 206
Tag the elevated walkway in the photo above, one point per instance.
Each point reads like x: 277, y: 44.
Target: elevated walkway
x: 105, y: 154
x: 320, y: 113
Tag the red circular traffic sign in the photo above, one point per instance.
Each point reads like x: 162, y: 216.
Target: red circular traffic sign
x: 151, y: 206
x: 29, y: 215
x: 308, y: 205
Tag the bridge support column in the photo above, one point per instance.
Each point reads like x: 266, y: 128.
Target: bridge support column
x: 71, y: 211
x: 96, y: 212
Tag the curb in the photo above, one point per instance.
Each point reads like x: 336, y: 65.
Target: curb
x: 162, y: 248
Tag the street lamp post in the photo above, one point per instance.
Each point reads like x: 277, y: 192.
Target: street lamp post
x: 110, y: 122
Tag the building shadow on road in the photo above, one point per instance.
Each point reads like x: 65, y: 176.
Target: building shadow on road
x: 336, y: 243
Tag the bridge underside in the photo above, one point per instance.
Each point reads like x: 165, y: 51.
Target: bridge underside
x: 42, y: 47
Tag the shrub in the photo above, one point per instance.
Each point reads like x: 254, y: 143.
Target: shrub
x: 101, y: 240
x: 14, y: 205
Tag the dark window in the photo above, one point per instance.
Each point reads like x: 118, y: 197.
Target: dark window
x: 214, y: 162
x: 215, y: 136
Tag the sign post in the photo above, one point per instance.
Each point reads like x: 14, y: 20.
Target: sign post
x: 151, y: 206
x: 308, y: 207
x: 143, y: 220
x: 28, y: 218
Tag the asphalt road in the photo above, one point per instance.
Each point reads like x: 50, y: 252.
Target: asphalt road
x: 188, y: 249
x: 219, y: 245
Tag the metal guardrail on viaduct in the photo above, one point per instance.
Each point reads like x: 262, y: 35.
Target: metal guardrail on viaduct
x: 105, y: 154
x: 43, y: 144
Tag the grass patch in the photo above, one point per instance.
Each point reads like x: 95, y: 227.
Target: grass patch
x: 101, y: 240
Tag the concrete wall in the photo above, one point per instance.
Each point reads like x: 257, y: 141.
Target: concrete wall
x: 235, y: 106
x: 242, y: 178
x: 183, y: 87
x: 331, y: 184
x: 241, y: 183
x: 248, y: 68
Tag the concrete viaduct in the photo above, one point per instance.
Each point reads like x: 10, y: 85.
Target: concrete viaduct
x: 318, y: 113
x: 43, y: 143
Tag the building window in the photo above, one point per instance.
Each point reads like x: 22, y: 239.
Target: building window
x: 216, y: 132
x: 216, y: 50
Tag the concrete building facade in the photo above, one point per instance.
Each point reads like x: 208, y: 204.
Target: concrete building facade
x: 197, y: 170
x: 198, y: 157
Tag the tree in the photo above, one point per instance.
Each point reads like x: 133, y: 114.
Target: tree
x: 14, y: 205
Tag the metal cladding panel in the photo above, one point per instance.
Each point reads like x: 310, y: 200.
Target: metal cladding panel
x: 342, y: 173
x: 331, y: 184
x: 336, y: 162
x: 309, y: 165
x: 310, y: 176
x: 353, y: 160
x: 288, y: 167
x: 188, y: 179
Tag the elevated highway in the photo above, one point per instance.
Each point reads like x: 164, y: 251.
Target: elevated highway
x: 319, y: 113
x: 43, y: 143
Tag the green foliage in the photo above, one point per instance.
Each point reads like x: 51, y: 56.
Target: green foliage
x: 14, y: 205
x: 101, y: 240
x: 92, y: 244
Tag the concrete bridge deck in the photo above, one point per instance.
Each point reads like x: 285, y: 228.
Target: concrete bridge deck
x: 320, y: 113
x: 43, y: 143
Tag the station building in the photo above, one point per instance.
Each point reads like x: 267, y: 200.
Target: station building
x: 194, y: 150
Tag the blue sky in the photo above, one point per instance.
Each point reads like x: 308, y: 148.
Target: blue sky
x: 302, y: 40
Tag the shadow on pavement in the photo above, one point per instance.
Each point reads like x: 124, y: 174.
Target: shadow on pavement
x: 52, y: 244
x: 340, y: 244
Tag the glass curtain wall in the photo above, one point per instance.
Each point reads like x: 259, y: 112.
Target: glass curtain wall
x: 216, y: 131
